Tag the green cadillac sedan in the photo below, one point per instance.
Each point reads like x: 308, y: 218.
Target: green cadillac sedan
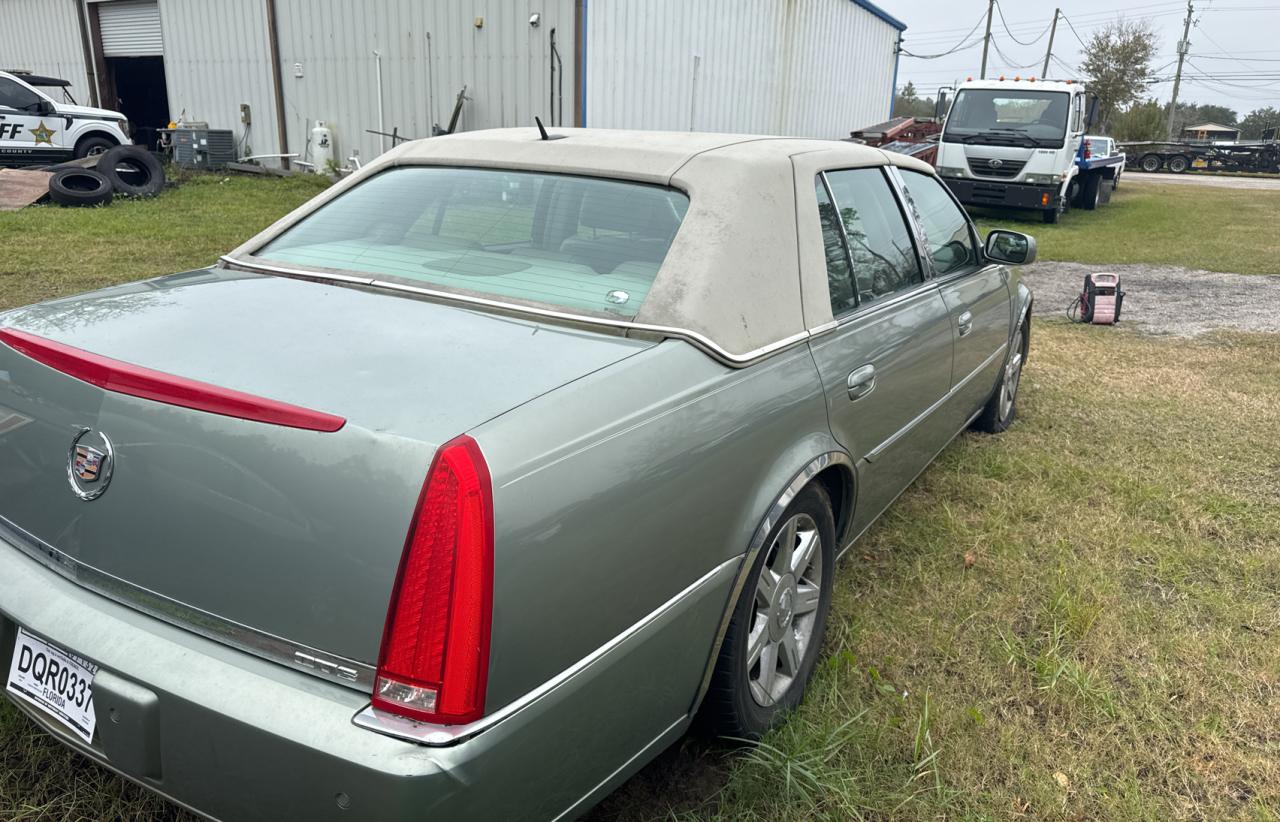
x: 466, y: 488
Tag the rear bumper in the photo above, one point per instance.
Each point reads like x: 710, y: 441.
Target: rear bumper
x: 236, y: 737
x: 1002, y: 195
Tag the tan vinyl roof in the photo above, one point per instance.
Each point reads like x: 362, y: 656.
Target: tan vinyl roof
x: 733, y: 274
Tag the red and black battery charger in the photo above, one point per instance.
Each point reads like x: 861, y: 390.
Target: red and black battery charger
x: 1100, y: 302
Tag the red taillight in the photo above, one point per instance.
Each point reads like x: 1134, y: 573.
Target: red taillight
x: 435, y: 649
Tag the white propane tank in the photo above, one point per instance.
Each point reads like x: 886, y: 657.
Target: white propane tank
x: 321, y: 147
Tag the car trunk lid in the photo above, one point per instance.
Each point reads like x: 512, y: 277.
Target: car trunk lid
x: 282, y: 532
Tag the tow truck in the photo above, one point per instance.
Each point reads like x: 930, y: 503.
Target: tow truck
x: 1019, y: 143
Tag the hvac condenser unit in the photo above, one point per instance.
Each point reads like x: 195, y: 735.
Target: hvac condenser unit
x: 203, y: 147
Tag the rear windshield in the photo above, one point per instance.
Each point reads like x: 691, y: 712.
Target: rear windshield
x: 578, y: 243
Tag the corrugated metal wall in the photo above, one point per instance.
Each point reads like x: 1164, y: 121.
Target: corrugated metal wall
x: 44, y: 36
x: 813, y: 68
x: 430, y: 50
x: 217, y: 56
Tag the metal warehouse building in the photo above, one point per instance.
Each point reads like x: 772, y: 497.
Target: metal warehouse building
x: 268, y: 69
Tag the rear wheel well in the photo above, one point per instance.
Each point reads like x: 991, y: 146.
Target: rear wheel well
x: 837, y: 481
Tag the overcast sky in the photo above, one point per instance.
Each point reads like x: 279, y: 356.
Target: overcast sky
x: 1236, y: 38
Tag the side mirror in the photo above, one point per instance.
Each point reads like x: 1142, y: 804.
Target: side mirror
x: 1094, y: 105
x: 1010, y: 247
x: 940, y: 107
x: 42, y: 108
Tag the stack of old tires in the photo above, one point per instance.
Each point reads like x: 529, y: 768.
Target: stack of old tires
x: 126, y: 171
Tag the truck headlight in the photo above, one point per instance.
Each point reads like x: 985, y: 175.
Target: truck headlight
x: 1041, y: 179
x: 945, y: 171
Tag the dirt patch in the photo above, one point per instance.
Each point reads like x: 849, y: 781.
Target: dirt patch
x: 1167, y: 299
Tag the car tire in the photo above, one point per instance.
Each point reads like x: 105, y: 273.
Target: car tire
x: 1051, y: 215
x: 92, y: 145
x: 1002, y: 407
x: 133, y: 171
x: 79, y: 187
x: 778, y: 623
x: 1091, y: 192
x: 1151, y: 163
x: 1178, y: 164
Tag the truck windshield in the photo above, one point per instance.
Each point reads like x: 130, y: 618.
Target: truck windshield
x: 1008, y: 117
x: 587, y: 244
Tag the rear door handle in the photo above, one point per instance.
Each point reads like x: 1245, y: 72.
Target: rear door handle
x: 862, y: 381
x: 965, y: 323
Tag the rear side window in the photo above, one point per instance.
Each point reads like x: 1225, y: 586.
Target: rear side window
x: 946, y: 228
x: 881, y: 256
x: 13, y: 95
x: 578, y: 243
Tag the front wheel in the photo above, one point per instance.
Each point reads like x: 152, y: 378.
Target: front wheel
x: 997, y: 415
x: 1091, y: 192
x: 93, y: 146
x: 776, y: 631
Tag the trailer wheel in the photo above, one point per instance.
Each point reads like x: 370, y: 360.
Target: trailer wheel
x: 1151, y: 163
x: 1091, y: 192
x: 1178, y: 164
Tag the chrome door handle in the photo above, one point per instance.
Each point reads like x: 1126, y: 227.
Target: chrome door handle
x: 965, y: 323
x: 862, y: 381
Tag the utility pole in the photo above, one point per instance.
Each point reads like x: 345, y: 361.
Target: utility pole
x: 1184, y: 45
x: 986, y: 39
x: 1053, y: 30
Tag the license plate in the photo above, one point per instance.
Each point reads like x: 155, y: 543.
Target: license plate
x: 55, y: 681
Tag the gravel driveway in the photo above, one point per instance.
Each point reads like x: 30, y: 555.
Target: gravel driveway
x: 1167, y: 299
x: 1210, y: 180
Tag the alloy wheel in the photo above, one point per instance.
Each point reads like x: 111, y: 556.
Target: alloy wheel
x: 785, y: 610
x: 1012, y: 375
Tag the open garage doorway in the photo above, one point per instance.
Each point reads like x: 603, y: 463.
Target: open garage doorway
x: 129, y: 49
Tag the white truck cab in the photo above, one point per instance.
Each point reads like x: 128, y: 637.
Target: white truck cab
x: 36, y: 130
x: 1017, y: 144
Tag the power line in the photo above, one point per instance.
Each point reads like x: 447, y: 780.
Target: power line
x: 1071, y: 26
x: 958, y: 47
x: 1005, y: 23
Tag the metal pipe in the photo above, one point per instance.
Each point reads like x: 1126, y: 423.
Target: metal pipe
x: 273, y: 42
x: 557, y: 83
x: 693, y: 90
x: 382, y: 124
x: 431, y: 87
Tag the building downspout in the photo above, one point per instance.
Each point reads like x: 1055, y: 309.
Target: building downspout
x: 273, y: 41
x: 90, y: 69
x: 580, y: 64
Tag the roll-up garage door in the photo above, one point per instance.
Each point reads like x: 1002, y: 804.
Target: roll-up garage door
x: 130, y: 28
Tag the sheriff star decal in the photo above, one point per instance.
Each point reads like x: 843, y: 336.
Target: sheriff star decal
x: 43, y: 134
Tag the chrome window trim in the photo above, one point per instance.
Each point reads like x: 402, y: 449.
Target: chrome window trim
x: 294, y: 655
x: 941, y: 401
x: 703, y: 343
x: 975, y: 239
x: 922, y: 264
x: 870, y: 309
x: 444, y: 735
x: 771, y: 518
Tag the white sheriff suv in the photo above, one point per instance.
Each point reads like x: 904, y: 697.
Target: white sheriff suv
x: 36, y: 130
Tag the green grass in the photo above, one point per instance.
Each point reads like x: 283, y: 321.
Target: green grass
x: 1215, y: 229
x: 1112, y: 651
x: 50, y: 251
